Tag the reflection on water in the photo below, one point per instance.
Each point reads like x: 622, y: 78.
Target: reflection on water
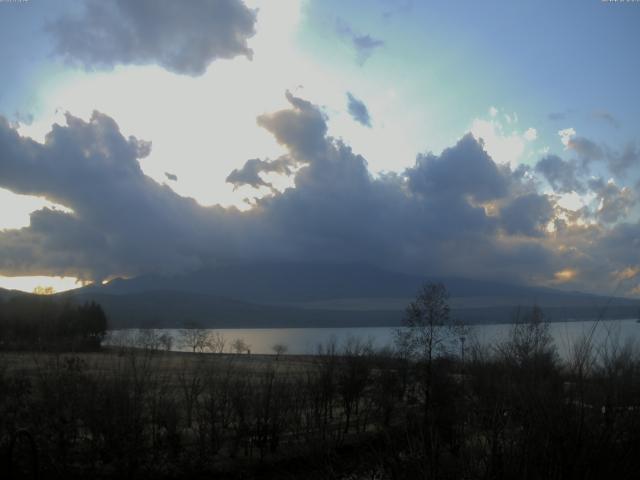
x: 306, y: 340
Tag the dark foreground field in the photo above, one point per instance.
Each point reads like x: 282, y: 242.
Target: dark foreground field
x: 513, y: 411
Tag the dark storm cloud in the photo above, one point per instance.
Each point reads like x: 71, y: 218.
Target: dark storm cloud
x: 183, y: 37
x: 621, y: 244
x: 456, y: 213
x: 527, y: 215
x: 562, y: 175
x: 358, y: 110
x: 426, y: 219
x: 122, y: 220
x: 464, y: 170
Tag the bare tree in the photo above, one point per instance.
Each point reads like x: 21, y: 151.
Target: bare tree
x: 166, y: 341
x: 279, y: 349
x: 146, y: 339
x: 194, y: 338
x: 428, y: 331
x: 428, y: 328
x: 240, y: 346
x: 215, y: 342
x: 530, y: 339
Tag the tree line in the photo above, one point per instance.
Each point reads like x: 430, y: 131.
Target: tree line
x: 423, y: 409
x: 39, y: 322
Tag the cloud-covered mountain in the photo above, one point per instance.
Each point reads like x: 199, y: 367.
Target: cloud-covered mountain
x: 322, y: 294
x: 457, y: 214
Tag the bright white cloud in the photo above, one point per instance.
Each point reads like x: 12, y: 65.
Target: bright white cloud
x: 212, y: 117
x: 575, y: 201
x: 566, y: 135
x: 531, y: 134
x: 505, y: 145
x: 16, y: 208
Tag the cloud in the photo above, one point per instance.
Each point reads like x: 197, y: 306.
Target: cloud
x: 628, y: 273
x: 302, y: 129
x: 364, y: 44
x: 249, y: 174
x: 396, y: 7
x: 120, y: 221
x: 465, y: 170
x: 458, y: 213
x: 566, y: 135
x: 182, y: 37
x: 527, y: 215
x: 620, y: 163
x: 562, y: 175
x: 614, y: 202
x: 531, y: 134
x: 23, y: 118
x: 607, y: 117
x: 588, y: 151
x: 557, y: 116
x: 506, y: 147
x: 358, y: 110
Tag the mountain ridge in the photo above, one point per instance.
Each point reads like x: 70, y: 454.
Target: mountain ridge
x: 263, y: 295
x: 307, y: 294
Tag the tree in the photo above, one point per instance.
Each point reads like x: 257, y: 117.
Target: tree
x: 166, y: 341
x: 427, y: 326
x: 530, y: 341
x: 240, y: 346
x: 95, y: 322
x: 279, y: 349
x: 428, y: 330
x: 194, y: 337
x: 216, y: 342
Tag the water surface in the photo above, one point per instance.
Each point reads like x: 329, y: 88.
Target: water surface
x: 306, y: 340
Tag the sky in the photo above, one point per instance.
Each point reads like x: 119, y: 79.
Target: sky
x: 491, y: 140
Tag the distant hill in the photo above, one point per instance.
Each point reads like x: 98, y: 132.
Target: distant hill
x: 276, y: 283
x: 166, y: 309
x: 4, y: 293
x: 308, y: 294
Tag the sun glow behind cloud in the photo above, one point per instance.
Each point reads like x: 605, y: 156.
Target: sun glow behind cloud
x: 565, y: 275
x: 213, y: 117
x: 16, y: 208
x: 502, y: 140
x: 29, y: 284
x: 204, y: 127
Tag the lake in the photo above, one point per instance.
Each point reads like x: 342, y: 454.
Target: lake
x: 306, y: 340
